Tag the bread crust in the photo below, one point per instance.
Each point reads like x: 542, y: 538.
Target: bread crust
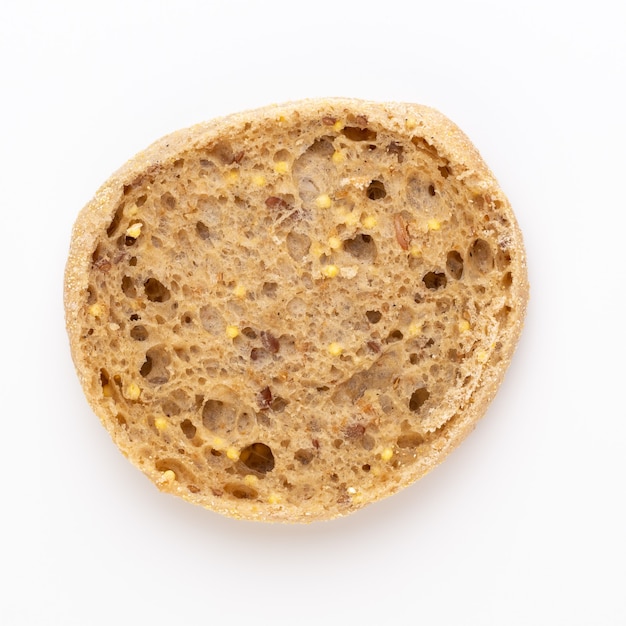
x: 402, y: 120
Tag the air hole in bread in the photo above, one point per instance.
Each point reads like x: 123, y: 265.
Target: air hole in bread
x: 376, y: 190
x: 128, y: 287
x: 435, y: 280
x: 115, y: 222
x: 507, y: 280
x: 373, y: 317
x: 355, y: 133
x: 418, y: 398
x: 454, y: 264
x: 218, y: 416
x: 394, y: 335
x: 258, y: 457
x: 396, y: 148
x: 154, y: 368
x: 368, y: 442
x: 410, y: 440
x: 245, y: 423
x: 156, y: 291
x: 431, y: 190
x: 366, y: 467
x: 278, y: 404
x: 298, y: 245
x: 211, y: 319
x: 241, y: 492
x: 189, y: 430
x: 361, y: 247
x: 202, y: 230
x: 269, y: 289
x: 304, y: 457
x: 121, y: 420
x: 481, y: 256
x: 444, y: 170
x: 168, y: 201
x: 139, y: 333
x: 170, y: 408
x: 132, y: 261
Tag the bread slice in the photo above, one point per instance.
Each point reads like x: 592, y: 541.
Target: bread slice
x: 289, y: 313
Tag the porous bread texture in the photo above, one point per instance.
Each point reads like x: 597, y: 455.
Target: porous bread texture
x: 287, y: 314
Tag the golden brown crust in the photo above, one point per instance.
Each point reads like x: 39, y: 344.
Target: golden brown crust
x: 432, y: 133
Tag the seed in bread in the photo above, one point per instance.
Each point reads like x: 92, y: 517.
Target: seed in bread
x: 287, y: 314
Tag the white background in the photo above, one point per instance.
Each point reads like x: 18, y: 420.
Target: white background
x: 525, y: 523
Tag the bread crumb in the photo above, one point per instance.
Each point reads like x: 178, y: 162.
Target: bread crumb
x: 481, y: 356
x: 334, y: 243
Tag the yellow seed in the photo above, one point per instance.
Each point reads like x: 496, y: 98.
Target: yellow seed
x: 338, y: 126
x: 96, y: 310
x: 415, y: 251
x: 250, y: 480
x: 134, y: 230
x: 232, y: 454
x: 330, y: 271
x: 274, y: 498
x: 334, y: 243
x: 464, y: 326
x: 434, y: 224
x: 323, y: 201
x: 232, y: 176
x: 415, y: 330
x: 281, y: 119
x: 132, y: 210
x: 410, y: 123
x: 338, y: 157
x: 239, y: 291
x: 107, y: 391
x: 316, y: 249
x: 351, y: 219
x: 232, y: 331
x: 335, y: 349
x: 481, y: 356
x: 168, y: 476
x: 370, y: 221
x: 281, y: 167
x: 132, y: 392
x: 386, y: 454
x: 160, y: 423
x: 259, y: 180
x: 218, y: 443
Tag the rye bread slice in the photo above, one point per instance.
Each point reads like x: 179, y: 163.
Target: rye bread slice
x: 289, y: 313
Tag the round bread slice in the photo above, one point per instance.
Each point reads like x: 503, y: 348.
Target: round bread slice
x: 289, y: 313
